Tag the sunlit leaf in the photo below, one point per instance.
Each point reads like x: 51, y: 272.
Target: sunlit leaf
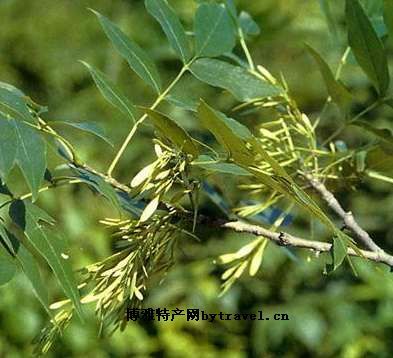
x: 172, y: 131
x: 111, y: 93
x: 214, y: 30
x: 150, y: 209
x: 367, y: 46
x: 172, y: 27
x: 235, y: 79
x: 136, y: 57
x: 51, y: 245
x: 207, y: 163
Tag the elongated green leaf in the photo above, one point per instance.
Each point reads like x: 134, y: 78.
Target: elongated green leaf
x: 214, y: 30
x: 49, y: 244
x: 237, y: 80
x: 28, y: 265
x: 336, y: 90
x: 222, y: 129
x: 7, y: 266
x: 388, y: 16
x: 172, y: 131
x: 112, y: 94
x: 331, y: 21
x: 7, y: 146
x: 207, y: 163
x: 383, y: 133
x: 338, y: 252
x: 172, y: 27
x: 100, y: 185
x: 367, y: 46
x: 137, y: 58
x: 90, y: 127
x: 30, y: 155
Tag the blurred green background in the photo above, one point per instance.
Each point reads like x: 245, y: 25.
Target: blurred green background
x: 335, y: 316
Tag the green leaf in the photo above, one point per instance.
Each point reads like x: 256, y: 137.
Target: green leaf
x: 337, y: 91
x: 382, y: 133
x: 338, y: 252
x: 49, y: 244
x: 7, y: 266
x: 248, y: 25
x: 90, y: 127
x: 29, y: 267
x: 214, y: 30
x: 100, y: 185
x: 12, y: 104
x: 112, y: 94
x: 331, y: 21
x: 380, y: 160
x: 172, y: 131
x: 172, y: 27
x: 223, y: 130
x: 388, y: 15
x: 137, y: 58
x: 207, y: 163
x: 237, y: 80
x: 367, y: 46
x: 30, y: 155
x: 7, y: 147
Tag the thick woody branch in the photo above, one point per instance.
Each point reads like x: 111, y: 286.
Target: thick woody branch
x: 284, y: 239
x: 346, y: 216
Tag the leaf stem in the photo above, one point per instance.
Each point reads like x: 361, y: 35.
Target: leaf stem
x: 144, y: 116
x: 246, y: 50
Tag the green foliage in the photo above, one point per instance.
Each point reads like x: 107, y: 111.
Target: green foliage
x: 366, y: 46
x: 265, y: 147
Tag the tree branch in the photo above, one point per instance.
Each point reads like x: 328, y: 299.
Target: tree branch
x: 347, y: 217
x: 284, y: 239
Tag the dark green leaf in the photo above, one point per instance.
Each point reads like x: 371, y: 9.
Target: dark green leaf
x: 28, y: 265
x: 382, y: 133
x: 112, y: 94
x: 49, y: 244
x: 172, y: 131
x: 90, y: 127
x: 336, y: 90
x: 30, y: 155
x: 248, y: 25
x: 366, y: 46
x: 100, y: 185
x: 380, y: 160
x: 7, y: 146
x: 7, y: 266
x: 388, y: 16
x: 214, y: 31
x: 237, y: 80
x: 172, y: 27
x: 338, y: 252
x: 138, y: 60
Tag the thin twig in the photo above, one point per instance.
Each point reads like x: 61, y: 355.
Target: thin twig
x: 346, y: 216
x: 285, y: 239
